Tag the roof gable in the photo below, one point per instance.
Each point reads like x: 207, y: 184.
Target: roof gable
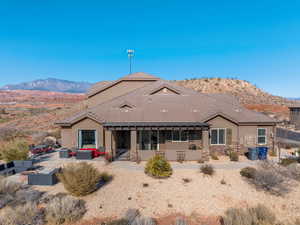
x: 165, y: 89
x: 131, y: 77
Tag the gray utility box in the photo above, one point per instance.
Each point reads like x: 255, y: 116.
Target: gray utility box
x: 44, y: 177
x: 84, y: 154
x: 64, y: 153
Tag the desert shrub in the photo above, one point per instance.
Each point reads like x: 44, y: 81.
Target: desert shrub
x: 269, y: 177
x: 17, y: 149
x: 207, y: 169
x: 64, y: 209
x: 143, y: 221
x: 248, y: 172
x: 23, y: 214
x: 259, y: 215
x: 9, y: 134
x: 14, y: 194
x: 234, y: 156
x: 158, y: 167
x: 131, y: 214
x: 181, y: 221
x: 80, y: 179
x: 214, y: 156
x: 8, y: 187
x: 288, y: 161
x: 105, y: 177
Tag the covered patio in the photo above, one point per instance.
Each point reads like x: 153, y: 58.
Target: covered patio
x: 176, y: 141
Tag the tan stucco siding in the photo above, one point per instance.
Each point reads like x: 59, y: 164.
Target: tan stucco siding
x: 117, y: 90
x: 248, y: 135
x: 70, y: 135
x: 66, y: 137
x: 220, y: 122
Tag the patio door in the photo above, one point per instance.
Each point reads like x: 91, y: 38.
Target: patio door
x: 149, y: 140
x: 154, y: 140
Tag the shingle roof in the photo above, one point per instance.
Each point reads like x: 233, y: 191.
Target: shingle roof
x: 185, y: 106
x: 133, y: 76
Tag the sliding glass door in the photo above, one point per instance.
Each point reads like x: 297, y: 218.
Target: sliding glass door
x: 149, y: 139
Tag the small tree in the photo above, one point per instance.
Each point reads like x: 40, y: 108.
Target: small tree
x: 17, y: 149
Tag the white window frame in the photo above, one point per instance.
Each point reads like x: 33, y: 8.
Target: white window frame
x: 218, y: 133
x: 265, y: 136
x: 187, y: 140
x: 80, y: 137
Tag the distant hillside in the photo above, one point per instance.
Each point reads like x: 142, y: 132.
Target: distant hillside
x: 51, y: 84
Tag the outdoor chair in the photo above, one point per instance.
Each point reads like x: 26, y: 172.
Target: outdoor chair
x: 43, y: 177
x: 84, y: 154
x: 64, y: 153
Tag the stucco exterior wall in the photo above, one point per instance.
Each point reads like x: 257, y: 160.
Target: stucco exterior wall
x: 248, y: 136
x: 66, y: 137
x: 70, y: 135
x: 220, y: 122
x: 117, y: 90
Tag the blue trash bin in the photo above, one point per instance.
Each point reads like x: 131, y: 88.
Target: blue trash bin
x: 262, y: 153
x: 252, y: 154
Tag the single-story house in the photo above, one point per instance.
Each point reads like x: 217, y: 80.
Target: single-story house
x: 143, y: 115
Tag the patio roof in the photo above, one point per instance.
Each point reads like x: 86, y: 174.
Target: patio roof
x: 154, y: 125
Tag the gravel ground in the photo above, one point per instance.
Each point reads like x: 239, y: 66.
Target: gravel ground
x: 203, y: 195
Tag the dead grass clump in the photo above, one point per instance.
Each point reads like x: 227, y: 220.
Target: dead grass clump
x: 16, y: 149
x: 80, y: 179
x: 23, y: 214
x: 259, y: 215
x: 64, y: 209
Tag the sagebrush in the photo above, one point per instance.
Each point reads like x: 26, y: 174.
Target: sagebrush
x: 258, y: 215
x: 80, y: 179
x: 64, y: 209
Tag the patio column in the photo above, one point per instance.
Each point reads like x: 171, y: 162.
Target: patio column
x: 108, y: 141
x: 133, y: 149
x: 205, y: 140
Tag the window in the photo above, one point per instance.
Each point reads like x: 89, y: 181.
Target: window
x: 261, y: 136
x: 195, y: 135
x: 149, y: 139
x: 87, y: 139
x: 180, y: 135
x: 217, y: 136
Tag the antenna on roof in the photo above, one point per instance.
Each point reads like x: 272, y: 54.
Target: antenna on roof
x: 130, y: 53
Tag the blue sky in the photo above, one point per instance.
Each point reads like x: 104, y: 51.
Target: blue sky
x: 87, y: 40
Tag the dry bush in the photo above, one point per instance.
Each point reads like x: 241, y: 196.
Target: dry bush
x: 80, y: 179
x: 269, y: 177
x: 207, y: 169
x: 259, y: 215
x: 248, y: 172
x: 214, y: 156
x: 23, y: 214
x: 234, y: 156
x: 181, y: 221
x: 9, y: 134
x: 16, y: 149
x: 64, y: 209
x: 158, y: 167
x: 288, y: 161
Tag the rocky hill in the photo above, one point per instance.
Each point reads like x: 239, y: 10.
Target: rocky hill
x: 245, y: 92
x: 51, y: 84
x: 38, y: 110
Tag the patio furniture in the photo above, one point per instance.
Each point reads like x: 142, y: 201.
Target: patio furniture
x: 84, y: 154
x: 44, y: 177
x: 64, y: 153
x: 7, y: 169
x: 22, y: 165
x: 96, y: 152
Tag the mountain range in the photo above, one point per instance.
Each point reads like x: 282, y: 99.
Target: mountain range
x: 51, y: 84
